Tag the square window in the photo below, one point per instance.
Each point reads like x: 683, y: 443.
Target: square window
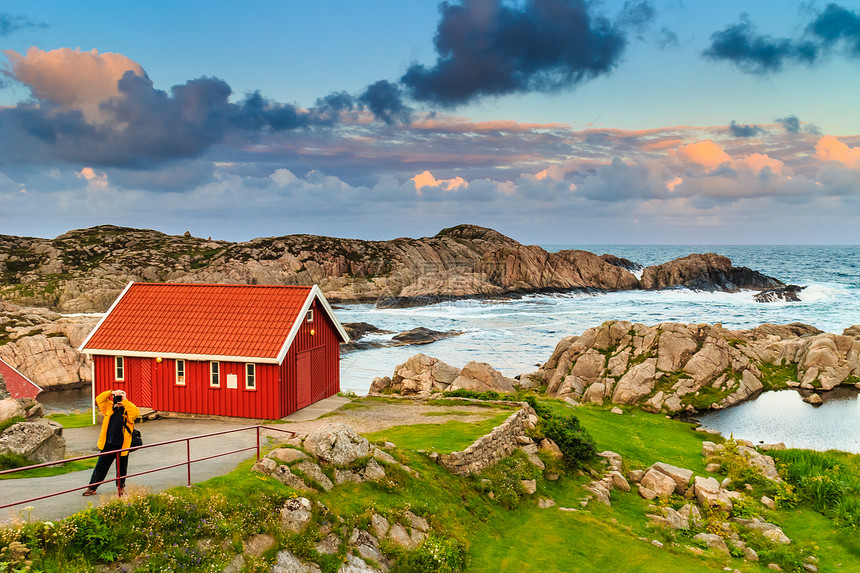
x: 309, y: 317
x: 119, y: 368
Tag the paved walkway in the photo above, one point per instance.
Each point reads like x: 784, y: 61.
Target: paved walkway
x: 81, y: 441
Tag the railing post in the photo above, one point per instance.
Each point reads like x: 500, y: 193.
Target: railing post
x: 118, y: 471
x: 188, y: 459
x: 258, y: 443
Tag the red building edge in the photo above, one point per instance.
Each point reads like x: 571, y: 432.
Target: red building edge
x: 258, y: 388
x: 18, y: 385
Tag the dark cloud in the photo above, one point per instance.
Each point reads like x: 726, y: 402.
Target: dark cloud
x: 755, y: 53
x: 790, y: 123
x: 385, y: 100
x: 837, y: 24
x: 667, y: 38
x: 11, y: 23
x: 336, y: 103
x: 636, y: 15
x: 490, y: 48
x: 258, y: 113
x: 154, y: 126
x: 739, y: 130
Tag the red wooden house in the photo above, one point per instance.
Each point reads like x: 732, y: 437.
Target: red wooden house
x: 226, y: 350
x: 18, y: 385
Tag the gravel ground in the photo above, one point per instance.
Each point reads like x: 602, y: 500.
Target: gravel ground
x: 374, y: 414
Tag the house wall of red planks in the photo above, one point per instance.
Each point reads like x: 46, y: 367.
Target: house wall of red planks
x: 275, y: 393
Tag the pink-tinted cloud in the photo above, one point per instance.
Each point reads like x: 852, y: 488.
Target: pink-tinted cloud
x: 830, y: 148
x: 72, y: 79
x: 426, y: 179
x: 706, y: 154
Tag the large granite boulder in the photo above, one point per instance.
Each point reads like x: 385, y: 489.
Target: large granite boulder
x: 481, y: 377
x: 11, y: 408
x: 419, y: 375
x: 39, y: 442
x: 337, y: 444
x: 658, y: 482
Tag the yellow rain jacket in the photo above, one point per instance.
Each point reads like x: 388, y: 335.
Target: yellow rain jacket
x: 104, y: 401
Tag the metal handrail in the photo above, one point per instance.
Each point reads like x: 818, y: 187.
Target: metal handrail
x: 188, y: 461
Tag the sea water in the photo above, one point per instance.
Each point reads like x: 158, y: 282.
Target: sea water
x: 517, y: 335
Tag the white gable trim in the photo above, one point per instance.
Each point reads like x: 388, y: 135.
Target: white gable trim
x: 21, y: 375
x: 179, y: 356
x: 104, y: 317
x: 315, y: 293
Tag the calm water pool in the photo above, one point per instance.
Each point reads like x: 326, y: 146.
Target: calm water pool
x: 782, y: 416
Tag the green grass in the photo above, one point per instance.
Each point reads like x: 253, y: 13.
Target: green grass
x: 640, y: 437
x: 66, y: 468
x: 10, y: 422
x: 523, y: 538
x: 444, y: 438
x: 541, y: 540
x: 73, y: 420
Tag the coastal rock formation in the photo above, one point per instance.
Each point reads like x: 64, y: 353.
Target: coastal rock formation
x: 422, y: 375
x: 788, y: 293
x: 84, y: 270
x: 414, y: 336
x: 625, y: 264
x: 673, y: 367
x: 706, y: 272
x: 42, y: 345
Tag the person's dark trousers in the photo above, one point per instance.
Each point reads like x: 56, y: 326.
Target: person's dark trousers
x: 104, y: 464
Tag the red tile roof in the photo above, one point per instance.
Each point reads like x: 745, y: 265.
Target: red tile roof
x: 249, y: 321
x: 18, y: 385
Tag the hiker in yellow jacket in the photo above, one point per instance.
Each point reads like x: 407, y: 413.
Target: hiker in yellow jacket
x: 117, y: 426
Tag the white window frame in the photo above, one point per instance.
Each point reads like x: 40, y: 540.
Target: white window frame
x: 309, y: 316
x: 119, y: 368
x: 250, y: 375
x: 180, y: 378
x: 214, y: 374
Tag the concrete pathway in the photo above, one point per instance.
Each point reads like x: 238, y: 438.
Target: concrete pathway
x: 82, y: 441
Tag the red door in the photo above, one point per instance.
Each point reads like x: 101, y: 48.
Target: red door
x: 144, y: 398
x: 318, y: 384
x: 303, y: 379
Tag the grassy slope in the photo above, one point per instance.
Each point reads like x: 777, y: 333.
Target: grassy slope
x: 597, y: 538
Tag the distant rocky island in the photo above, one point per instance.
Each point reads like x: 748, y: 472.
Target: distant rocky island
x: 84, y: 270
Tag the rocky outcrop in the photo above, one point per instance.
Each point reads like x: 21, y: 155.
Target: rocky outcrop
x: 42, y: 345
x: 415, y: 336
x: 422, y: 375
x: 788, y: 293
x: 623, y: 263
x: 41, y: 441
x: 706, y: 272
x: 84, y: 270
x: 673, y: 367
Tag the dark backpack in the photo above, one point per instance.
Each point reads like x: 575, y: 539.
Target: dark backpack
x: 136, y: 438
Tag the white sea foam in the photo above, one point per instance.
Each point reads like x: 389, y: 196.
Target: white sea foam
x: 817, y: 293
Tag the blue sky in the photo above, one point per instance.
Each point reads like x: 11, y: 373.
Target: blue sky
x: 553, y: 121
